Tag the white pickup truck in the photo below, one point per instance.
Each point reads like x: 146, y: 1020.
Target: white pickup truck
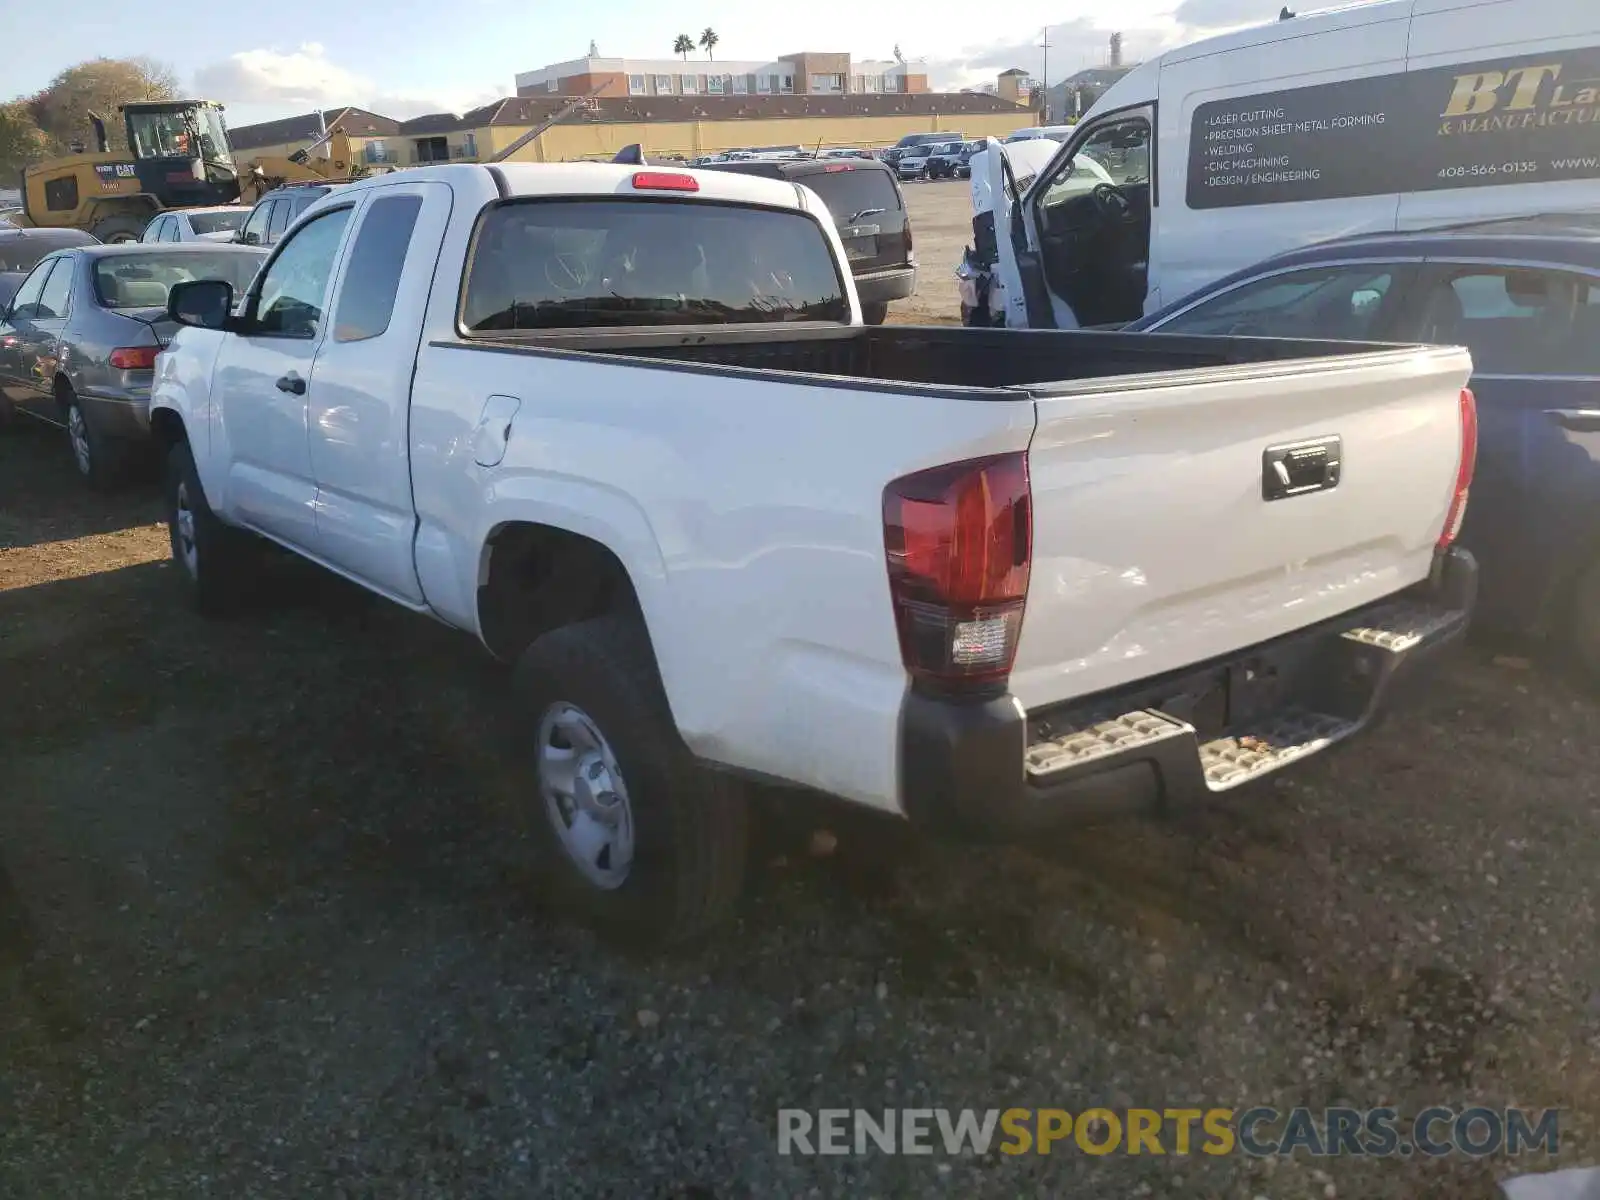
x: 623, y: 425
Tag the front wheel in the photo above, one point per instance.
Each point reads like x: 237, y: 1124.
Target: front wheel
x: 643, y: 842
x: 216, y: 563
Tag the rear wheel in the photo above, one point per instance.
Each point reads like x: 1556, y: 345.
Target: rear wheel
x: 1583, y: 624
x: 101, y: 460
x: 642, y: 841
x: 115, y: 230
x: 875, y: 314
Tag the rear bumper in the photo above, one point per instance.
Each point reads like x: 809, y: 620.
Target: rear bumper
x: 990, y: 769
x: 118, y: 413
x: 882, y: 286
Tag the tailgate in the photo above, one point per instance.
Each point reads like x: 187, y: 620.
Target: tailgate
x: 1156, y: 546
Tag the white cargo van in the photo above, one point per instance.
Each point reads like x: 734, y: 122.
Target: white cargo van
x: 1395, y: 114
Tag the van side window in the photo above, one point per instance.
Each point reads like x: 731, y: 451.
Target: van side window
x: 1516, y: 320
x: 1318, y: 302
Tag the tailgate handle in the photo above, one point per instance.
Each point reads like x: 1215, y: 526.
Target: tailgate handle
x: 1296, y: 468
x: 1579, y: 420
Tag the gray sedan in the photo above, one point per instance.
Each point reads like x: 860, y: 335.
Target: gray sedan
x: 79, y: 339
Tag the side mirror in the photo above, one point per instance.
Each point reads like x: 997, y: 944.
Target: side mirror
x: 250, y: 239
x: 201, y: 303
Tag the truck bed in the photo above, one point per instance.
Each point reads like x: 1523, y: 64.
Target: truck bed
x: 948, y: 359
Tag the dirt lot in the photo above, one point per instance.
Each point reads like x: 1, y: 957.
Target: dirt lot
x: 267, y: 929
x: 941, y: 223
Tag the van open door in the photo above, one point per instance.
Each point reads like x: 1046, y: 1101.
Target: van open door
x: 1075, y: 251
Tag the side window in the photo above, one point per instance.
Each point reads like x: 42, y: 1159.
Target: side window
x: 61, y: 194
x: 152, y: 231
x: 1319, y: 302
x: 1516, y: 320
x: 1118, y: 153
x: 25, y: 304
x: 282, y: 213
x: 291, y: 289
x: 57, y: 294
x: 255, y: 229
x: 372, y: 278
x: 172, y: 232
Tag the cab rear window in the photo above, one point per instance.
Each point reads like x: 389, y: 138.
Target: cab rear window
x: 601, y: 263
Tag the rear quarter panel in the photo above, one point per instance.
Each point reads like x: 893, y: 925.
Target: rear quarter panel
x: 748, y: 513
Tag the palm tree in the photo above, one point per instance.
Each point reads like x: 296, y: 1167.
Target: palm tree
x: 708, y: 41
x: 683, y: 45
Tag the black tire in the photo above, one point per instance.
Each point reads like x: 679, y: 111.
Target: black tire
x: 218, y: 575
x: 690, y: 825
x: 102, y: 461
x: 1582, y: 625
x: 120, y: 229
x: 875, y: 314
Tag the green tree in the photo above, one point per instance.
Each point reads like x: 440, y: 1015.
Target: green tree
x: 683, y: 45
x: 62, y: 109
x: 708, y: 41
x: 22, y: 142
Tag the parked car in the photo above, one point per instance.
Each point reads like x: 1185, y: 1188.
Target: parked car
x: 627, y: 430
x: 79, y: 340
x: 952, y: 161
x: 895, y: 152
x: 1053, y: 133
x: 1524, y: 297
x: 216, y: 224
x: 1285, y: 134
x: 277, y: 210
x: 21, y: 250
x: 867, y: 206
x: 916, y: 161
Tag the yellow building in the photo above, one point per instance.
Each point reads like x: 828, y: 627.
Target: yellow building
x: 664, y: 125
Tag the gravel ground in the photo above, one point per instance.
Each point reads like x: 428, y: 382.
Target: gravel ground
x: 267, y: 929
x: 941, y: 226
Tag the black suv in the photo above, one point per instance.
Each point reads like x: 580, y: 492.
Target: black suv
x: 277, y: 210
x: 896, y: 152
x: 866, y: 204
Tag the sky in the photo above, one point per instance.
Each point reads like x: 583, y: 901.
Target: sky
x: 406, y: 57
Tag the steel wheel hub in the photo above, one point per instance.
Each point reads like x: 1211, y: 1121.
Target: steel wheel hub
x: 188, y: 548
x: 585, y: 797
x: 78, y: 431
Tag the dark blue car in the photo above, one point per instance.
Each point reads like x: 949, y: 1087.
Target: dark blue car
x: 1524, y: 297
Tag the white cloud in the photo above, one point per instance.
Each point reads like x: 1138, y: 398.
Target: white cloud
x: 1074, y: 45
x: 307, y: 78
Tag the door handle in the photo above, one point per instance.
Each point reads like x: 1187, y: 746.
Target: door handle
x: 1579, y: 420
x: 292, y: 384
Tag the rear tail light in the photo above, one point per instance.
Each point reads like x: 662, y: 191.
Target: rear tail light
x: 960, y: 543
x: 1464, y: 469
x: 664, y: 181
x: 832, y: 167
x: 135, y: 358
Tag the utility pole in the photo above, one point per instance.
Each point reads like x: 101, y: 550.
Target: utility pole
x: 1044, y: 81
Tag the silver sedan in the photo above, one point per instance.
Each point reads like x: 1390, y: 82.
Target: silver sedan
x: 79, y: 339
